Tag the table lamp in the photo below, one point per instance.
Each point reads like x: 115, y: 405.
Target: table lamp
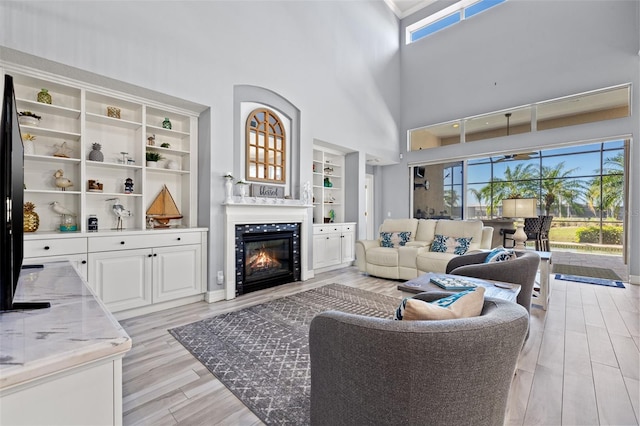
x: 519, y: 209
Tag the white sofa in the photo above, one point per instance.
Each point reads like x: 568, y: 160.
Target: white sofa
x: 415, y: 257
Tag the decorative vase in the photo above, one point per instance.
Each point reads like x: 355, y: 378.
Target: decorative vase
x: 31, y: 218
x: 166, y: 124
x: 152, y: 164
x: 242, y: 187
x: 96, y: 154
x: 68, y: 223
x: 172, y: 165
x: 29, y: 147
x: 27, y: 120
x: 44, y: 97
x: 228, y: 190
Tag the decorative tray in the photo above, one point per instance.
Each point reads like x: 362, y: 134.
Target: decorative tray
x: 453, y: 283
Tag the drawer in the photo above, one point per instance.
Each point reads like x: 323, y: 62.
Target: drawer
x: 348, y: 228
x: 55, y: 247
x: 128, y: 242
x: 327, y: 229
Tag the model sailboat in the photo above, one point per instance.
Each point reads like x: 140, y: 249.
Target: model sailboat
x: 163, y: 209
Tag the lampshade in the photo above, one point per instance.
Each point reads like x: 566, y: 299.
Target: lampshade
x: 520, y: 207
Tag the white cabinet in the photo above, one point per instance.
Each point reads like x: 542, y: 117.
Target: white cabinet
x: 328, y: 186
x: 177, y: 272
x: 121, y: 279
x: 134, y: 271
x: 132, y: 268
x: 51, y: 249
x: 333, y: 246
x: 80, y: 116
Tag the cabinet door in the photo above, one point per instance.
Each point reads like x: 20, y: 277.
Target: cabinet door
x: 177, y: 272
x: 121, y: 279
x: 326, y: 250
x: 78, y: 261
x: 348, y: 246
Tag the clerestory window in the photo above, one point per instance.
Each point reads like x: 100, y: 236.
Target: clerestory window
x: 447, y: 17
x: 265, y: 147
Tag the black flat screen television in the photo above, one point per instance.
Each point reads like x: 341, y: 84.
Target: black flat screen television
x: 12, y: 196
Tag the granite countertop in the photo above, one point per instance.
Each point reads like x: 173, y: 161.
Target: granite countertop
x: 77, y: 329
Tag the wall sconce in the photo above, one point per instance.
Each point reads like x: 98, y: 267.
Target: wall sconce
x: 424, y: 185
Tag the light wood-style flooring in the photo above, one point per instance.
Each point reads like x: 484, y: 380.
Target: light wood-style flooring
x: 580, y: 365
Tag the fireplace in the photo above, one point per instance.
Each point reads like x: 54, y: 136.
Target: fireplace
x: 267, y: 255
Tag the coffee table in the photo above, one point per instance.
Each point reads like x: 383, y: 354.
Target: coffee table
x: 423, y: 283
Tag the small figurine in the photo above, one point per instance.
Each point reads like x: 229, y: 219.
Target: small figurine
x: 62, y: 150
x: 151, y: 140
x: 56, y: 207
x: 61, y: 181
x: 128, y: 186
x: 119, y: 211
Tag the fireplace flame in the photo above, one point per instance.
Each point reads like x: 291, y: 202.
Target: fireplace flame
x: 263, y: 260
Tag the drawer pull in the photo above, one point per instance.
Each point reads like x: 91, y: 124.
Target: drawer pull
x: 47, y: 247
x: 84, y: 262
x: 149, y: 255
x: 122, y: 242
x: 179, y: 238
x: 155, y: 254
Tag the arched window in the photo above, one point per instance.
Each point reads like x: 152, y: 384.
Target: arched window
x: 265, y: 147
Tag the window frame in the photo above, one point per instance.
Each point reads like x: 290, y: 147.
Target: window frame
x: 269, y: 130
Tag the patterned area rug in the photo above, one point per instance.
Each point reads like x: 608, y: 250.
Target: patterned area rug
x: 586, y: 271
x: 261, y: 353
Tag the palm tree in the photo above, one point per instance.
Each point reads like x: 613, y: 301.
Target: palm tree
x: 479, y: 195
x: 611, y: 197
x: 519, y: 182
x: 556, y: 182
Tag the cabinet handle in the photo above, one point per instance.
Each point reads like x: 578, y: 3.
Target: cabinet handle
x: 327, y: 238
x: 84, y: 262
x: 179, y: 238
x: 155, y: 254
x: 122, y: 242
x: 46, y: 247
x: 149, y: 255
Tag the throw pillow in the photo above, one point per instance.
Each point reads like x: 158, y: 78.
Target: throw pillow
x: 500, y: 254
x: 455, y: 245
x: 468, y: 304
x: 394, y: 239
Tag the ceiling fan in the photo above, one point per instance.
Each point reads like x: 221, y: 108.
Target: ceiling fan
x: 520, y: 156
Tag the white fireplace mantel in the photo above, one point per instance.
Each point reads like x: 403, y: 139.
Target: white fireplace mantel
x: 254, y: 213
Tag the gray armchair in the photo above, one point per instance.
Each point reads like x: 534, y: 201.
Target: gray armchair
x: 372, y: 371
x: 518, y: 271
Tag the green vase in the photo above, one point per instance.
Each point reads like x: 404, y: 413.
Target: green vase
x: 166, y: 124
x: 44, y: 97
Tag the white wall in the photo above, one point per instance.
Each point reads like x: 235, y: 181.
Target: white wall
x: 517, y: 53
x: 336, y: 61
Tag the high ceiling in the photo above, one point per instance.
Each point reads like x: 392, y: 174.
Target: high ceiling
x: 404, y: 8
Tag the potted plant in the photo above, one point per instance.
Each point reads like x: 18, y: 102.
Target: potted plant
x: 28, y: 118
x: 165, y: 145
x: 153, y: 158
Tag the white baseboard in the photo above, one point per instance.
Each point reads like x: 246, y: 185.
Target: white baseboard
x: 214, y: 296
x: 634, y: 279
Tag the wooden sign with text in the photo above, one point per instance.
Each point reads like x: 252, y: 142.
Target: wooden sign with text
x: 268, y: 191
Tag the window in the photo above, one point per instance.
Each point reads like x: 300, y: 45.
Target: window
x: 447, y: 17
x: 265, y: 147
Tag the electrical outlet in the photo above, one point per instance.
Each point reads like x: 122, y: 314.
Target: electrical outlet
x: 220, y: 277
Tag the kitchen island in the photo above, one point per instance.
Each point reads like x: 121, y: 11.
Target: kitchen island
x: 63, y: 364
